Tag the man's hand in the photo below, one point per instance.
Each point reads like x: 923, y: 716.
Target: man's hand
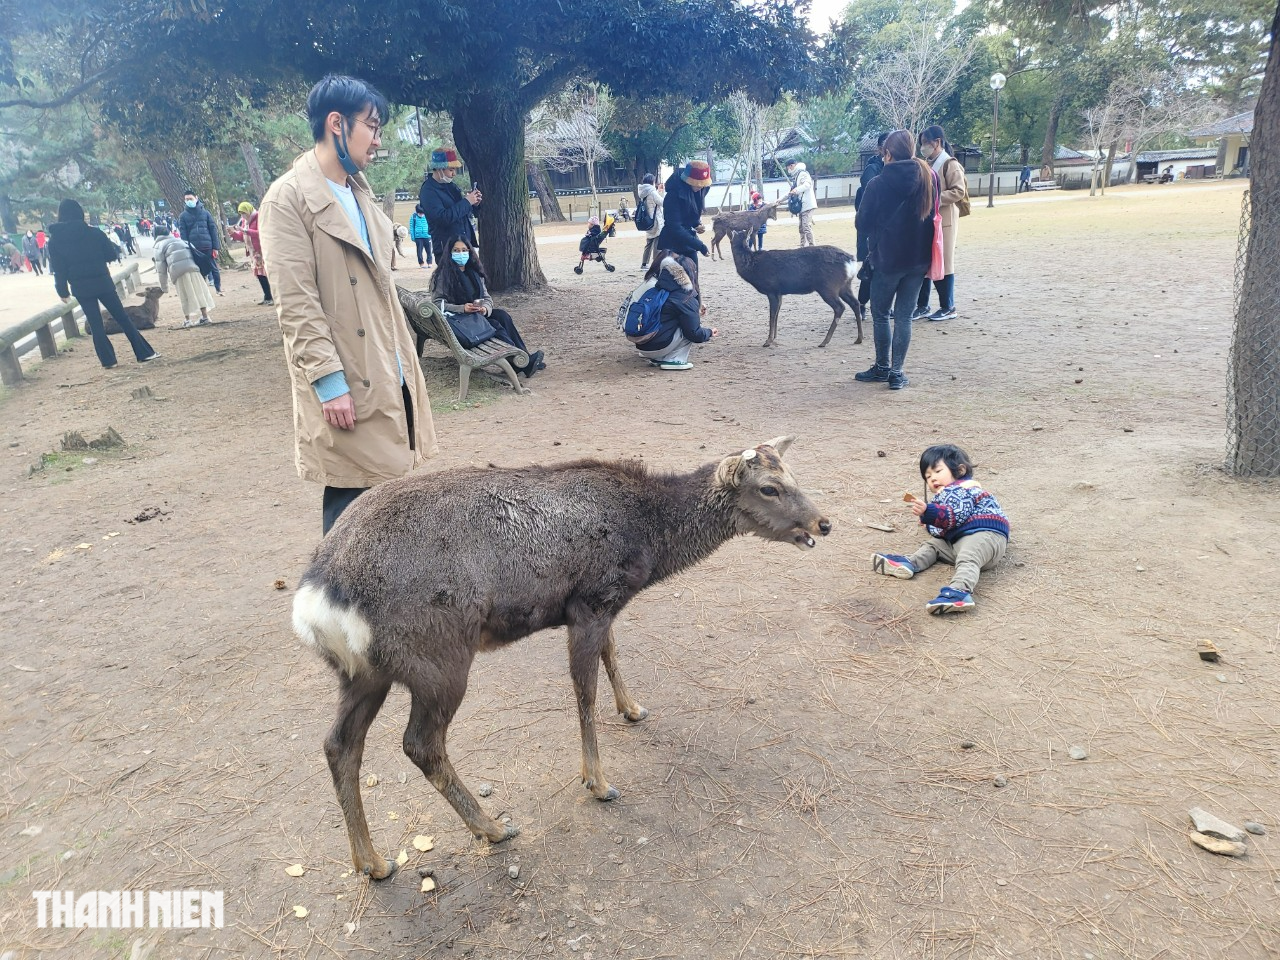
x: 474, y: 198
x: 472, y: 308
x: 340, y: 412
x: 214, y: 254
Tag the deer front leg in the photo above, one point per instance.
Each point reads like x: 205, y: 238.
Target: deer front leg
x: 586, y: 648
x: 627, y: 706
x: 775, y: 304
x: 360, y: 700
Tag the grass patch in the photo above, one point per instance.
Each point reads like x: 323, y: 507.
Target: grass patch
x: 77, y: 453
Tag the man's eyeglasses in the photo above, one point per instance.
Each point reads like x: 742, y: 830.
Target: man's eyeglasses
x: 375, y: 127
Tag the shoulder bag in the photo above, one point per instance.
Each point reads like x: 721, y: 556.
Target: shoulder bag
x: 471, y: 329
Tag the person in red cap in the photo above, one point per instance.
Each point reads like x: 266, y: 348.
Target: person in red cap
x: 447, y: 208
x: 757, y: 202
x: 682, y: 212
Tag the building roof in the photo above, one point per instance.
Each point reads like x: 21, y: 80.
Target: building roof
x: 1240, y: 123
x: 1185, y: 153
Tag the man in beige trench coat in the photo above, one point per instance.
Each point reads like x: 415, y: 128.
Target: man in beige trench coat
x: 360, y: 409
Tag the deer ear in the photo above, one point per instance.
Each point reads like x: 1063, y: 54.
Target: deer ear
x: 729, y: 473
x: 780, y: 444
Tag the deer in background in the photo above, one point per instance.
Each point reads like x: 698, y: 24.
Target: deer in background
x: 827, y: 271
x: 422, y: 573
x: 747, y: 220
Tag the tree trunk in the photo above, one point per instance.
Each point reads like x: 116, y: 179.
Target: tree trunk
x: 1049, y: 150
x: 1111, y: 159
x: 7, y: 218
x: 551, y: 212
x: 256, y: 178
x: 1253, y: 398
x: 169, y: 177
x: 489, y: 132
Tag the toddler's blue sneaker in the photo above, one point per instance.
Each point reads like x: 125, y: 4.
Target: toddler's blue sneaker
x: 950, y: 600
x: 892, y: 565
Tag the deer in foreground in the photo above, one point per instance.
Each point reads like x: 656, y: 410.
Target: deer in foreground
x: 422, y: 573
x: 827, y: 271
x: 144, y: 315
x: 749, y: 221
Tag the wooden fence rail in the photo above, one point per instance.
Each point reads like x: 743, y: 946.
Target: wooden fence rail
x: 43, y: 324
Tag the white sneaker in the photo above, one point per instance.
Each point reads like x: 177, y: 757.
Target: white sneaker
x: 188, y: 322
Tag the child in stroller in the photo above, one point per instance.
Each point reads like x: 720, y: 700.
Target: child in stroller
x: 589, y: 246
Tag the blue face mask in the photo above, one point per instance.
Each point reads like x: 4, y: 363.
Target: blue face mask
x: 191, y: 204
x: 460, y: 257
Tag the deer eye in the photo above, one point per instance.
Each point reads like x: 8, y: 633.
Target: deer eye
x: 769, y: 491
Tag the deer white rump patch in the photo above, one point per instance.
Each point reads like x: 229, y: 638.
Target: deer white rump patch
x: 851, y: 268
x: 328, y: 628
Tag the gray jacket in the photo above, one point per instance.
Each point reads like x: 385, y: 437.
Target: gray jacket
x: 173, y: 259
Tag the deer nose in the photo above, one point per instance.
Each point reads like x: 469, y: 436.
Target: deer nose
x: 824, y: 526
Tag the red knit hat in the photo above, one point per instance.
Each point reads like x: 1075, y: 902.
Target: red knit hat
x: 696, y: 174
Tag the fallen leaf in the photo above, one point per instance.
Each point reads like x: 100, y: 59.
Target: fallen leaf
x: 18, y: 666
x: 84, y: 546
x: 423, y: 844
x: 32, y: 832
x: 279, y: 584
x: 296, y: 870
x: 54, y: 556
x: 351, y: 928
x: 114, y: 533
x: 392, y: 815
x: 428, y: 885
x: 372, y: 781
x: 403, y: 858
x: 300, y: 912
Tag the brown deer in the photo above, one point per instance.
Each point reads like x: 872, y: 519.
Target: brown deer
x: 747, y: 220
x: 144, y: 316
x: 827, y: 271
x: 422, y: 573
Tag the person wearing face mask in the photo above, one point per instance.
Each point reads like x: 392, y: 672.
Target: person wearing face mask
x: 197, y: 227
x: 361, y: 415
x: 935, y: 149
x: 459, y: 281
x: 447, y: 208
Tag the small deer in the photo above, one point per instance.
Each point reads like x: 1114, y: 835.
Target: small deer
x: 143, y: 316
x: 749, y: 221
x: 827, y: 271
x: 422, y: 573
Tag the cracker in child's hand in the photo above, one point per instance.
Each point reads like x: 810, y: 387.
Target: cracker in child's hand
x: 908, y: 497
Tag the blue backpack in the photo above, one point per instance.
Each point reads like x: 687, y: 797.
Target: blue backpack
x: 643, y: 315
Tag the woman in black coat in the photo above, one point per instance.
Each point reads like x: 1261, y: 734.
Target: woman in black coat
x: 459, y: 281
x: 78, y: 258
x: 897, y: 216
x: 686, y: 192
x: 681, y: 325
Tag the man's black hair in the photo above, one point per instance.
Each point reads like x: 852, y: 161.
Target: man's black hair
x: 348, y: 96
x: 189, y: 193
x: 884, y: 135
x: 648, y: 178
x: 957, y: 460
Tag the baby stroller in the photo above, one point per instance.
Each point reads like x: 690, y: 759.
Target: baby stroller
x: 589, y: 246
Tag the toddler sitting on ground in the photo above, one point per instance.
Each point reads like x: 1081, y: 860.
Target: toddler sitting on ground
x: 966, y: 525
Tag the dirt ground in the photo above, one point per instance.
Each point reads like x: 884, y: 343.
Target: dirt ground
x: 818, y: 773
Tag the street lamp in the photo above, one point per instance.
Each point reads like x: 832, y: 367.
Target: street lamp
x: 997, y: 84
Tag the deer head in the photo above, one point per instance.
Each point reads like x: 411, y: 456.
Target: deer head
x: 768, y: 500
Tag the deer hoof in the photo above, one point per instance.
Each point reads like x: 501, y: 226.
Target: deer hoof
x: 391, y: 868
x: 636, y: 715
x: 613, y: 793
x: 504, y: 832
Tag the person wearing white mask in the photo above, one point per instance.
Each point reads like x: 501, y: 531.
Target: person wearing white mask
x: 953, y: 200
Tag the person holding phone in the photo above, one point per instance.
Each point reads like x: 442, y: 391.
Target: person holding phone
x: 459, y: 281
x: 448, y: 209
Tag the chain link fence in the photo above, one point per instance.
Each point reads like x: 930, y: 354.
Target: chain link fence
x: 1253, y: 365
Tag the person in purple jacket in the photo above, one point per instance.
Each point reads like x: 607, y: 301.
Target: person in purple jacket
x: 967, y: 528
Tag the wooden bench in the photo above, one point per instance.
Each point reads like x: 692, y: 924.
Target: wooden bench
x: 428, y: 323
x: 1044, y: 184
